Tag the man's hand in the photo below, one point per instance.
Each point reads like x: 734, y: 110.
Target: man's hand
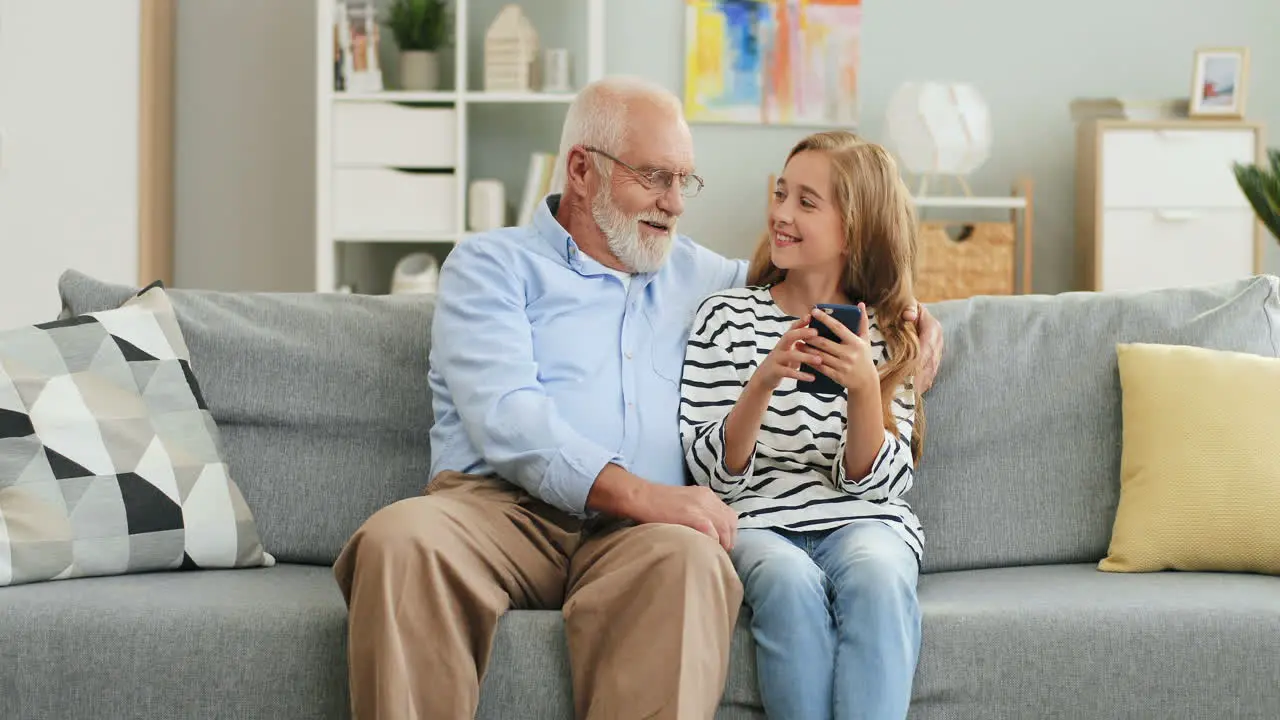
x: 930, y: 332
x: 621, y: 494
x: 693, y: 506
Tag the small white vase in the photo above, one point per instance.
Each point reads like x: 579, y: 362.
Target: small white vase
x: 417, y: 272
x: 419, y: 70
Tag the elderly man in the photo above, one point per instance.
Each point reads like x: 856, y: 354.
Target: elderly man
x: 558, y: 478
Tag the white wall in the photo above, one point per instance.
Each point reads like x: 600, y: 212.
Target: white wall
x: 69, y: 161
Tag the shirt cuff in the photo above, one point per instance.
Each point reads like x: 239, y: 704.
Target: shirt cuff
x: 886, y: 446
x: 717, y: 444
x: 571, y: 473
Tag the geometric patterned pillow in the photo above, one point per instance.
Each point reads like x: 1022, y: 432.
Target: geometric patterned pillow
x: 110, y: 462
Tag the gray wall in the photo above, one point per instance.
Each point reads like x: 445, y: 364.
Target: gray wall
x: 245, y: 137
x: 1028, y: 59
x: 245, y: 98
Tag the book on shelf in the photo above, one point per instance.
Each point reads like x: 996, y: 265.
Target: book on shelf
x: 356, y: 39
x: 1083, y: 109
x: 537, y: 183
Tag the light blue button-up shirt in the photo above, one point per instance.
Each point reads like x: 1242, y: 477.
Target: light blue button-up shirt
x: 545, y: 367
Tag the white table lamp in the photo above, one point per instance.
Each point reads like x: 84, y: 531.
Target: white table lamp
x: 939, y: 129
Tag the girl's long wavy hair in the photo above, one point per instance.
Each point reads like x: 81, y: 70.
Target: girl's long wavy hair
x: 880, y: 226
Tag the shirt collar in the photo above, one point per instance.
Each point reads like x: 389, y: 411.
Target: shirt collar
x: 552, y: 232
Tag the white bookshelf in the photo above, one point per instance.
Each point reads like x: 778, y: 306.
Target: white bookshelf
x: 352, y: 228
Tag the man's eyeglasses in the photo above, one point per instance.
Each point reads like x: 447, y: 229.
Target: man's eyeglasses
x: 690, y: 184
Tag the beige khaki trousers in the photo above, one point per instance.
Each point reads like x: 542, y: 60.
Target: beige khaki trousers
x: 649, y: 609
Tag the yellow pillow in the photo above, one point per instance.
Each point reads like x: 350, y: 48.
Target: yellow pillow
x: 1200, y: 464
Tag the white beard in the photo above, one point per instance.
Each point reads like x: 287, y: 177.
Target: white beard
x: 622, y: 231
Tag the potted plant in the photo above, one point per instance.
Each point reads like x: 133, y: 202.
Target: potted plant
x: 1261, y: 184
x: 421, y: 28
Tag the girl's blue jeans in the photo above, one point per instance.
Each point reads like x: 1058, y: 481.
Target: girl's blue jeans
x: 835, y: 619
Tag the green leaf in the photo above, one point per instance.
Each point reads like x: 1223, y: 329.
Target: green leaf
x: 1260, y: 183
x: 419, y: 24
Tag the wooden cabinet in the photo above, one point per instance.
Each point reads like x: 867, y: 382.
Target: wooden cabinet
x: 1157, y: 204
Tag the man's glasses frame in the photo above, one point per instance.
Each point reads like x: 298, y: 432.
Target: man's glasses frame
x: 690, y: 184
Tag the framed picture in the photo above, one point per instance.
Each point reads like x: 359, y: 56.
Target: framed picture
x: 773, y: 63
x: 1220, y: 82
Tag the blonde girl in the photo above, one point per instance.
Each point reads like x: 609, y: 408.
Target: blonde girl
x: 828, y: 548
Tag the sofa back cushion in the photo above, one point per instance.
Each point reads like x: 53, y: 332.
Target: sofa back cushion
x: 324, y: 408
x: 321, y: 400
x: 1022, y: 453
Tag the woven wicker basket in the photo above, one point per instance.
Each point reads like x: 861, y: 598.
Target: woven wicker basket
x: 960, y: 260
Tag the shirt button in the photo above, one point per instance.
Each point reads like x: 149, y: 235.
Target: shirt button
x: 628, y: 354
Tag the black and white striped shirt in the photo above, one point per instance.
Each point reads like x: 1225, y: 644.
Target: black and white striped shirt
x: 795, y: 479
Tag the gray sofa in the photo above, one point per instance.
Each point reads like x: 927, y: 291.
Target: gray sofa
x: 325, y: 410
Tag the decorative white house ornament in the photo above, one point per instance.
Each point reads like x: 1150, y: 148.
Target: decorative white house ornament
x: 511, y: 53
x: 939, y: 129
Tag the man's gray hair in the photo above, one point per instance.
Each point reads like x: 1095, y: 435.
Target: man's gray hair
x: 598, y: 118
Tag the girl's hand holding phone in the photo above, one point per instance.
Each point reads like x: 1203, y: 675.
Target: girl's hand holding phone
x: 849, y: 362
x: 785, y: 358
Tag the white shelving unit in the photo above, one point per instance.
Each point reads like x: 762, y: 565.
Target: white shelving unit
x: 386, y: 175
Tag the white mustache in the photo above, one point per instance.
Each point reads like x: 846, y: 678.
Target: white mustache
x: 661, y: 218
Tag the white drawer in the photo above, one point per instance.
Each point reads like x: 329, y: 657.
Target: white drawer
x: 1173, y: 168
x: 370, y: 201
x: 394, y: 135
x: 1148, y: 249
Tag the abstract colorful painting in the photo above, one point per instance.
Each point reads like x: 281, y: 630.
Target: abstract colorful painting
x: 784, y: 62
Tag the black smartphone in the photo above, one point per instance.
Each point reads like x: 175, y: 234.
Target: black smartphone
x: 849, y: 316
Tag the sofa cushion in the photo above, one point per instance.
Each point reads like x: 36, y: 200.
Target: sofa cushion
x: 109, y: 460
x: 1021, y: 462
x: 322, y: 401
x: 258, y: 643
x: 1199, y: 482
x: 267, y: 643
x: 1072, y: 642
x: 997, y: 643
x: 1007, y: 643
